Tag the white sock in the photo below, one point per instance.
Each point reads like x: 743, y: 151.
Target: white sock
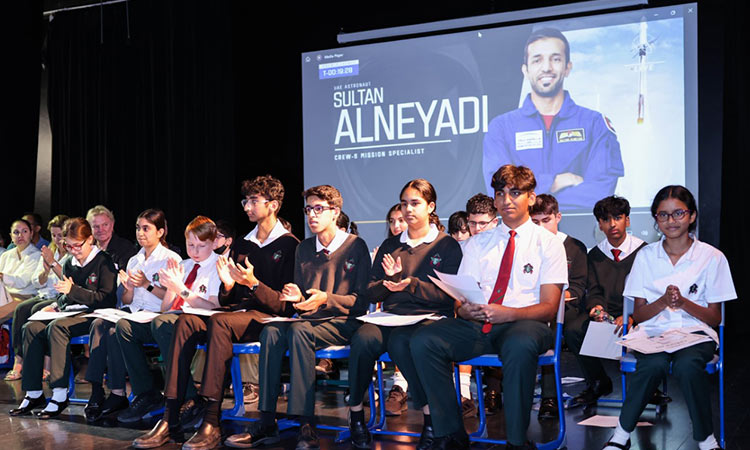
x: 30, y: 394
x: 58, y: 395
x: 620, y: 437
x: 399, y: 380
x: 709, y: 443
x: 465, y: 379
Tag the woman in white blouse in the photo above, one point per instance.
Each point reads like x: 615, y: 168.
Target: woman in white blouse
x: 17, y: 268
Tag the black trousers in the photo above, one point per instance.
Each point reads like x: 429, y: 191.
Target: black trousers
x: 368, y: 343
x: 105, y: 355
x: 218, y: 331
x: 302, y: 339
x: 436, y: 347
x: 53, y: 339
x: 21, y: 315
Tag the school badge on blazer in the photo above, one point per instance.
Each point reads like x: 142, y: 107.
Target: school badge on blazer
x: 693, y: 289
x: 277, y: 256
x: 435, y: 260
x: 92, y: 279
x: 528, y: 268
x: 349, y: 264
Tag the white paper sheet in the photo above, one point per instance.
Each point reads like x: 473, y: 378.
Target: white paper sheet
x: 607, y: 422
x: 199, y: 311
x: 280, y: 319
x: 52, y: 315
x: 601, y: 341
x: 571, y: 380
x: 394, y: 320
x: 461, y: 287
x: 670, y: 341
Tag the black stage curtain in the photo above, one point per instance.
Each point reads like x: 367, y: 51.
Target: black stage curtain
x: 20, y: 46
x: 141, y: 105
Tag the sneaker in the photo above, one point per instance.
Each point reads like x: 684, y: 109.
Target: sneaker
x: 395, y: 404
x: 143, y: 405
x: 467, y: 407
x: 250, y: 393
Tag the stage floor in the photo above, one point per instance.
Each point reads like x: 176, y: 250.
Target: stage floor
x: 671, y: 432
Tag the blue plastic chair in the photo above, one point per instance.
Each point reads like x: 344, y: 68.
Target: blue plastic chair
x: 716, y: 365
x: 551, y: 357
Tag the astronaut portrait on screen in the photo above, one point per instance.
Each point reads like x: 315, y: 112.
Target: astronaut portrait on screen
x: 572, y: 150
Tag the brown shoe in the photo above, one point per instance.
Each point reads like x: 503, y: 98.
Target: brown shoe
x: 161, y: 434
x: 395, y: 404
x: 207, y: 437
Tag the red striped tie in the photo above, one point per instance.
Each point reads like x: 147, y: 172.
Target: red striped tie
x: 503, y: 276
x: 179, y: 301
x: 616, y: 253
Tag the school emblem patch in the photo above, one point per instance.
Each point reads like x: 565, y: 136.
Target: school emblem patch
x: 349, y: 264
x: 436, y: 260
x: 574, y: 135
x: 528, y: 268
x: 693, y: 289
x: 202, y: 289
x: 277, y: 255
x: 155, y: 278
x: 92, y: 279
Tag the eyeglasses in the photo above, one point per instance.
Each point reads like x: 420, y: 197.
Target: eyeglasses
x: 677, y: 214
x: 77, y: 247
x: 479, y: 225
x: 252, y: 201
x: 220, y: 236
x: 317, y: 208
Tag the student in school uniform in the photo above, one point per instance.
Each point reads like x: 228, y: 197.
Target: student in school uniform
x: 521, y: 269
x: 546, y: 213
x: 399, y: 280
x: 608, y: 266
x: 88, y: 283
x: 331, y: 269
x: 194, y: 282
x: 458, y: 226
x: 252, y: 280
x: 142, y: 290
x: 678, y: 282
x: 47, y: 273
x: 17, y: 268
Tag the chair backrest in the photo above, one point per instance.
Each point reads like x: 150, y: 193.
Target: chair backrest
x: 561, y: 309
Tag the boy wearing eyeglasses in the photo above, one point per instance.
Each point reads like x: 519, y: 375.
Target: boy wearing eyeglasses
x: 609, y: 264
x: 252, y: 279
x: 331, y: 270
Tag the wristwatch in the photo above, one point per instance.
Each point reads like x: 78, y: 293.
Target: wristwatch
x: 254, y: 288
x: 150, y: 288
x: 184, y: 293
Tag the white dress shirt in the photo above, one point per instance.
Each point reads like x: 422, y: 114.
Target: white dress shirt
x: 48, y: 290
x: 207, y: 281
x: 702, y: 275
x: 338, y: 241
x: 277, y: 231
x: 431, y: 236
x: 628, y: 246
x: 539, y: 258
x: 143, y: 299
x: 18, y: 271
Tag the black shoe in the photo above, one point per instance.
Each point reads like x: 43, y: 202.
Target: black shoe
x: 548, y: 409
x: 493, y: 402
x: 625, y: 446
x: 44, y: 415
x: 158, y: 436
x: 360, y: 435
x: 93, y: 410
x: 427, y: 438
x: 457, y: 441
x: 114, y: 404
x: 34, y: 403
x: 659, y: 398
x: 256, y: 435
x: 468, y: 408
x: 192, y: 413
x: 307, y: 439
x: 528, y: 445
x: 207, y: 437
x: 593, y: 391
x: 143, y: 405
